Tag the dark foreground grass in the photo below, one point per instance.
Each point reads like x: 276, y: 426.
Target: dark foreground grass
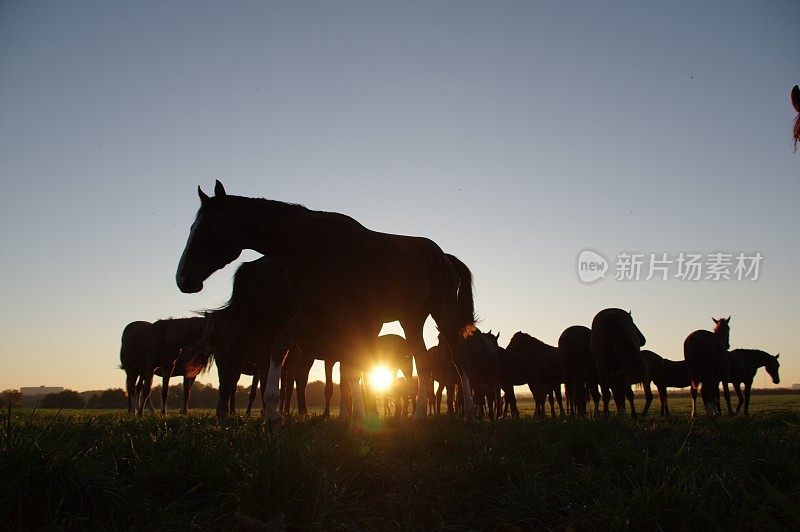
x: 106, y: 471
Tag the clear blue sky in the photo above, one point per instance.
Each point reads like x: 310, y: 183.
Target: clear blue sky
x: 515, y: 134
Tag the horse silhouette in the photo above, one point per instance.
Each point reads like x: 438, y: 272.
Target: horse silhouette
x: 580, y: 371
x: 481, y: 349
x: 615, y: 345
x: 443, y: 371
x: 343, y: 275
x: 156, y: 348
x: 665, y: 374
x: 543, y: 365
x: 744, y: 364
x: 706, y: 355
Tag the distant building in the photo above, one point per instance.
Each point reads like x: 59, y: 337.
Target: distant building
x: 28, y: 391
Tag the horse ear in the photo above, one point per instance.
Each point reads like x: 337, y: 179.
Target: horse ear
x: 203, y: 195
x: 728, y: 319
x: 778, y: 355
x: 219, y: 190
x: 715, y: 319
x: 796, y: 98
x: 497, y: 336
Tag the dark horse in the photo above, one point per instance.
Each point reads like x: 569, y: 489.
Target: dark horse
x: 342, y: 274
x: 665, y: 374
x: 706, y: 355
x: 445, y: 373
x: 580, y: 371
x: 615, y: 345
x: 165, y: 341
x: 482, y: 353
x: 544, y: 366
x: 795, y: 97
x: 744, y: 365
x: 133, y: 357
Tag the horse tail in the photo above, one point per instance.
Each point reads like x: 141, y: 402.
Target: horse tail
x: 201, y: 353
x: 796, y: 102
x: 465, y: 304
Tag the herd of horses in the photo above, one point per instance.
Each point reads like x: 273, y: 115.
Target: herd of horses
x: 325, y: 286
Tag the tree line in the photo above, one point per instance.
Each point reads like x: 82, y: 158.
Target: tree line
x: 203, y: 396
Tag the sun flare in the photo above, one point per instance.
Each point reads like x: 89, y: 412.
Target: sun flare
x: 380, y: 378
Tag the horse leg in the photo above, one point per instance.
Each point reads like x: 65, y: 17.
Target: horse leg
x: 552, y: 404
x: 737, y: 388
x: 416, y: 345
x: 662, y: 399
x: 618, y: 392
x: 727, y: 394
x: 165, y: 376
x: 187, y: 390
x: 328, y: 387
x: 629, y: 396
x: 648, y: 398
x: 606, y: 392
x: 130, y: 388
x: 147, y: 386
x: 707, y: 395
x: 558, y: 400
x: 302, y: 383
x: 253, y: 390
x: 693, y: 392
x: 747, y: 387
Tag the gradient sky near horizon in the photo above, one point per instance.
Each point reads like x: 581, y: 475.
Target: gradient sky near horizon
x: 514, y: 134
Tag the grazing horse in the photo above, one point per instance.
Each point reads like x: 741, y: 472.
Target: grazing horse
x: 342, y: 274
x: 165, y: 341
x: 615, y: 345
x: 665, y: 374
x: 795, y: 97
x: 706, y: 355
x: 744, y: 365
x: 544, y: 365
x: 580, y: 371
x: 482, y: 354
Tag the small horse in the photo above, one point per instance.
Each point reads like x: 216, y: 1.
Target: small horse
x: 580, y: 371
x: 706, y: 355
x: 795, y: 97
x: 544, y: 365
x: 481, y: 349
x: 165, y: 339
x: 443, y: 371
x: 615, y: 345
x: 744, y: 365
x: 132, y: 357
x: 514, y: 370
x: 665, y: 374
x: 342, y: 273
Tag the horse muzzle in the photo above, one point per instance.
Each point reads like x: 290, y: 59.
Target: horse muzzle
x: 186, y: 286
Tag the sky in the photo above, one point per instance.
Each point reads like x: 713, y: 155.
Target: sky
x: 514, y: 134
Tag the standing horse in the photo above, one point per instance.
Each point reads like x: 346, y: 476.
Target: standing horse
x: 342, y: 273
x: 133, y: 357
x: 482, y: 354
x: 795, y: 97
x: 615, y: 345
x: 544, y: 364
x: 744, y: 365
x: 443, y: 371
x: 706, y: 355
x: 165, y: 341
x: 665, y: 374
x: 580, y: 371
x: 514, y: 370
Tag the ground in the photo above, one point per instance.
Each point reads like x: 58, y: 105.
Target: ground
x: 82, y: 469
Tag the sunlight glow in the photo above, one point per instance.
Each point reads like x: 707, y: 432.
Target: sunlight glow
x: 380, y: 379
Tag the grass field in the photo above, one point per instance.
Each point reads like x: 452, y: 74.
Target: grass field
x: 84, y: 469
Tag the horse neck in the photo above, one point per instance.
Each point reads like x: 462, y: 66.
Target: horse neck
x: 270, y: 227
x: 758, y: 358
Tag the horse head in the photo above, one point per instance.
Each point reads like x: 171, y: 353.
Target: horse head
x: 723, y: 330
x: 214, y: 241
x: 773, y: 366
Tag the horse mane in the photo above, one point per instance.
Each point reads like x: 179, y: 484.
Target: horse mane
x: 757, y: 355
x: 520, y: 336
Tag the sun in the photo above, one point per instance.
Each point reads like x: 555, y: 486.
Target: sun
x: 380, y: 378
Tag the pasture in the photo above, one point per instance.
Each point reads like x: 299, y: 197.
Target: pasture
x: 107, y: 470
